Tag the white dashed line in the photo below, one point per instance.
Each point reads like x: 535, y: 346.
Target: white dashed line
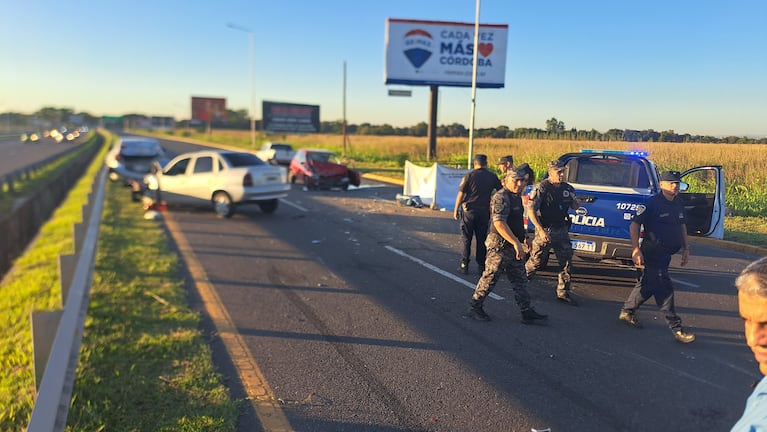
x: 440, y: 271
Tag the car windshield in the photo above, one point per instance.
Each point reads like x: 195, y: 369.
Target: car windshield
x: 140, y: 148
x: 241, y: 159
x: 284, y: 147
x: 321, y: 157
x: 609, y: 172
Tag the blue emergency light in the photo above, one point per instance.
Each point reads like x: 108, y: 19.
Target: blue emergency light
x: 617, y: 152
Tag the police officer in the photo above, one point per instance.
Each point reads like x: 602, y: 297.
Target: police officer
x: 507, y: 247
x: 505, y: 164
x: 472, y: 209
x: 665, y: 233
x: 547, y: 210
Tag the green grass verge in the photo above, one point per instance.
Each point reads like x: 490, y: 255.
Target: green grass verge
x: 144, y: 364
x: 33, y: 284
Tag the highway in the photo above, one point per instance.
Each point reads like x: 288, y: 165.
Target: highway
x: 343, y: 312
x: 17, y: 154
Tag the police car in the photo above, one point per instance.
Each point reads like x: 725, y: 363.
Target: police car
x: 613, y: 185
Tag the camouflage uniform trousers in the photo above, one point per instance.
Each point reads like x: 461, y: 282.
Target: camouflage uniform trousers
x: 560, y: 242
x: 503, y: 259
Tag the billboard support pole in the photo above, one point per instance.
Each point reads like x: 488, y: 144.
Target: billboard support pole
x: 343, y: 122
x: 473, y: 89
x: 431, y: 154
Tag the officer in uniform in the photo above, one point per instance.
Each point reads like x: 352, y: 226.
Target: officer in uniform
x: 547, y: 210
x: 505, y: 164
x: 472, y: 209
x: 506, y: 250
x: 665, y: 233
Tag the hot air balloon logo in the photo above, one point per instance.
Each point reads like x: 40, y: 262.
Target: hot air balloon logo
x: 418, y: 44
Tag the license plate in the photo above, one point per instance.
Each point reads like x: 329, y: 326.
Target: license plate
x: 583, y: 245
x: 272, y: 179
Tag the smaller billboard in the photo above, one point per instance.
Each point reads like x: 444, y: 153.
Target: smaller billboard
x: 290, y: 118
x: 208, y: 109
x: 442, y: 53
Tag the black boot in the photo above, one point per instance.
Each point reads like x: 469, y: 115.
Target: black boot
x: 529, y: 316
x: 476, y: 312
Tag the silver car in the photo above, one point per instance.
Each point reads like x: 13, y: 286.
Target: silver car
x: 225, y: 179
x: 132, y: 157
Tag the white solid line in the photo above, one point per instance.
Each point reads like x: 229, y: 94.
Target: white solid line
x: 440, y: 271
x: 294, y: 205
x: 681, y: 282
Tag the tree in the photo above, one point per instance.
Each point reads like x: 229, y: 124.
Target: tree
x: 554, y: 126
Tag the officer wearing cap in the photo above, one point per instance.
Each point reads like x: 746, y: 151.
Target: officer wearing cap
x: 472, y: 209
x: 505, y: 164
x: 507, y: 247
x: 549, y: 203
x: 665, y: 233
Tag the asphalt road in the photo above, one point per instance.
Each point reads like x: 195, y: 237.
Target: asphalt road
x: 17, y: 154
x: 348, y: 308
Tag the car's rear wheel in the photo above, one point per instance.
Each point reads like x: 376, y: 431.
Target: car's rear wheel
x: 223, y: 205
x: 269, y: 206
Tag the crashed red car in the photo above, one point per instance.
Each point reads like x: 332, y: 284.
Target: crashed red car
x: 321, y: 169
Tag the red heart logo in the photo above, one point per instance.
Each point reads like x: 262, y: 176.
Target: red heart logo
x: 485, y: 49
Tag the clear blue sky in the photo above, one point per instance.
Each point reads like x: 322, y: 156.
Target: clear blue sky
x: 691, y: 66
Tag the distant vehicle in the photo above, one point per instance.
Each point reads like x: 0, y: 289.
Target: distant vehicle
x: 132, y: 157
x: 321, y: 169
x: 30, y: 137
x: 274, y: 152
x: 221, y: 178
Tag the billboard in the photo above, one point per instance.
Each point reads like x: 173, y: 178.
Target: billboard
x: 288, y: 117
x: 208, y: 109
x: 442, y: 53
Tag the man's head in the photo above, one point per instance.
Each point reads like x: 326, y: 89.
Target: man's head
x: 505, y: 163
x: 480, y: 161
x: 556, y: 171
x: 515, y: 180
x: 669, y: 183
x: 752, y: 303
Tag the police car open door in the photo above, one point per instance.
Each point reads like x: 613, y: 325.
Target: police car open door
x: 704, y: 201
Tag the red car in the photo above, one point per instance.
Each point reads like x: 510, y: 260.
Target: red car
x: 321, y: 169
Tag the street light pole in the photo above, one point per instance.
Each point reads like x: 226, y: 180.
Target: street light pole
x: 252, y: 43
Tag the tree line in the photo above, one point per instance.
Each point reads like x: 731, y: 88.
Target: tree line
x: 554, y: 129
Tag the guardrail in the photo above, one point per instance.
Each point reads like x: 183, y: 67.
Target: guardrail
x: 56, y: 335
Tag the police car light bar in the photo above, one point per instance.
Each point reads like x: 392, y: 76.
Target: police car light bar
x: 617, y: 152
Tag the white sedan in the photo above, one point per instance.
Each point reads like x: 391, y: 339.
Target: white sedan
x: 225, y: 179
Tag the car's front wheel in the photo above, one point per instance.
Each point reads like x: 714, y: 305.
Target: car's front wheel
x: 223, y: 205
x: 268, y: 206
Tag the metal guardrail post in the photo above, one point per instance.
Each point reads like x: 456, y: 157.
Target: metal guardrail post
x: 55, y: 390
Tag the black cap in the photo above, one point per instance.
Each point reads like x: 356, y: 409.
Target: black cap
x: 518, y: 173
x: 556, y: 165
x: 481, y: 159
x: 670, y: 176
x: 504, y: 159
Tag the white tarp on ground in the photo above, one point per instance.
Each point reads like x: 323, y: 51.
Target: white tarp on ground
x: 435, y: 184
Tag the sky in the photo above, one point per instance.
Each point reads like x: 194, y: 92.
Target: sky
x: 690, y: 66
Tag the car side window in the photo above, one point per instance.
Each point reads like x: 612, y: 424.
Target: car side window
x: 178, y: 168
x: 203, y: 165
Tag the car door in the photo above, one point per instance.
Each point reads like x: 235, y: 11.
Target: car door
x: 703, y: 200
x: 201, y: 178
x: 173, y: 181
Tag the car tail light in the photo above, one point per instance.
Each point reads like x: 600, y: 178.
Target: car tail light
x: 247, y: 180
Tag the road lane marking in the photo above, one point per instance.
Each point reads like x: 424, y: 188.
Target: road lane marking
x: 259, y: 393
x: 687, y: 284
x: 678, y: 372
x: 440, y: 271
x: 294, y: 205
